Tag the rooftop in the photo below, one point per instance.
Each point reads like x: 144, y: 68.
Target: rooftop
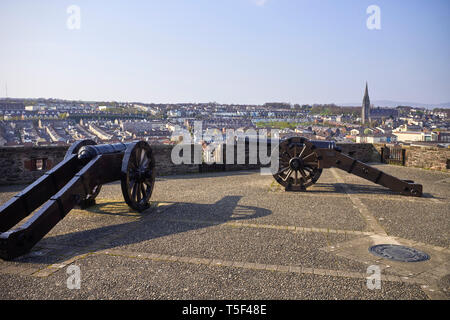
x: 240, y: 236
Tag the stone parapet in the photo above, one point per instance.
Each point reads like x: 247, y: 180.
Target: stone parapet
x: 23, y: 165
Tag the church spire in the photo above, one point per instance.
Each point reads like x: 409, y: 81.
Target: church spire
x: 365, y: 111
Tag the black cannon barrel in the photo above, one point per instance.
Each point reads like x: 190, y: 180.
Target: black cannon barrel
x: 89, y: 152
x: 322, y: 144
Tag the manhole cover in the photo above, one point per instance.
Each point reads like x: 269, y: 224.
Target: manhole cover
x: 398, y: 253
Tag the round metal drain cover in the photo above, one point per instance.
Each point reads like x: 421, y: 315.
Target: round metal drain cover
x: 398, y: 253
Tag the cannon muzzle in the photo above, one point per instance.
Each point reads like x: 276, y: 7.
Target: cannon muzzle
x: 91, y: 151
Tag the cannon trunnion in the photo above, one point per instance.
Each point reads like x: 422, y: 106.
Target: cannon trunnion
x: 76, y: 181
x: 301, y: 162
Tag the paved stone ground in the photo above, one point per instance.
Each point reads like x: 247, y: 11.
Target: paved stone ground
x: 240, y: 236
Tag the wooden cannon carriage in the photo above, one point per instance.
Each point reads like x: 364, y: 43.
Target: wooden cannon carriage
x: 301, y: 162
x: 76, y: 181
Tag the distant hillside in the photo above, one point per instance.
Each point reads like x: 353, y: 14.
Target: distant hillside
x: 393, y: 104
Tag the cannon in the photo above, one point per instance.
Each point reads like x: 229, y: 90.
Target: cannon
x: 75, y: 181
x: 301, y: 162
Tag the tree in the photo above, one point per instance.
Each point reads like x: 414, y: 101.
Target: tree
x: 63, y: 116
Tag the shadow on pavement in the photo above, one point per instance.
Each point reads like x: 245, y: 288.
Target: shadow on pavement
x: 352, y: 188
x: 149, y: 225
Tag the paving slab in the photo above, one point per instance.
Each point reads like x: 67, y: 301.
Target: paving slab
x: 110, y: 277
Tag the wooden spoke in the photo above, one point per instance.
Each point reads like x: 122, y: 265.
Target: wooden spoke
x: 134, y: 190
x: 302, y: 172
x: 143, y: 190
x: 282, y: 170
x: 311, y: 155
x: 285, y: 156
x: 303, y: 150
x: 144, y: 162
x: 288, y: 174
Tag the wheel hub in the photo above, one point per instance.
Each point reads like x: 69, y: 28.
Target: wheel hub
x: 141, y: 175
x: 296, y: 163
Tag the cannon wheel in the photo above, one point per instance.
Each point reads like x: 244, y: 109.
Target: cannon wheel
x: 138, y: 175
x: 89, y: 200
x: 299, y: 164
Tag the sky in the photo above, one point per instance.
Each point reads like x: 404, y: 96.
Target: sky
x: 228, y: 51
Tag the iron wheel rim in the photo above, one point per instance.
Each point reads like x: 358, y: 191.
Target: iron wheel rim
x: 138, y: 175
x: 299, y: 164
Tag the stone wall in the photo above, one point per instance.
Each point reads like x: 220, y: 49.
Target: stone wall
x: 18, y: 164
x: 165, y: 166
x: 364, y: 152
x: 428, y: 158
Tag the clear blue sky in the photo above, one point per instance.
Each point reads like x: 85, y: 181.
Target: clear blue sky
x: 229, y: 51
